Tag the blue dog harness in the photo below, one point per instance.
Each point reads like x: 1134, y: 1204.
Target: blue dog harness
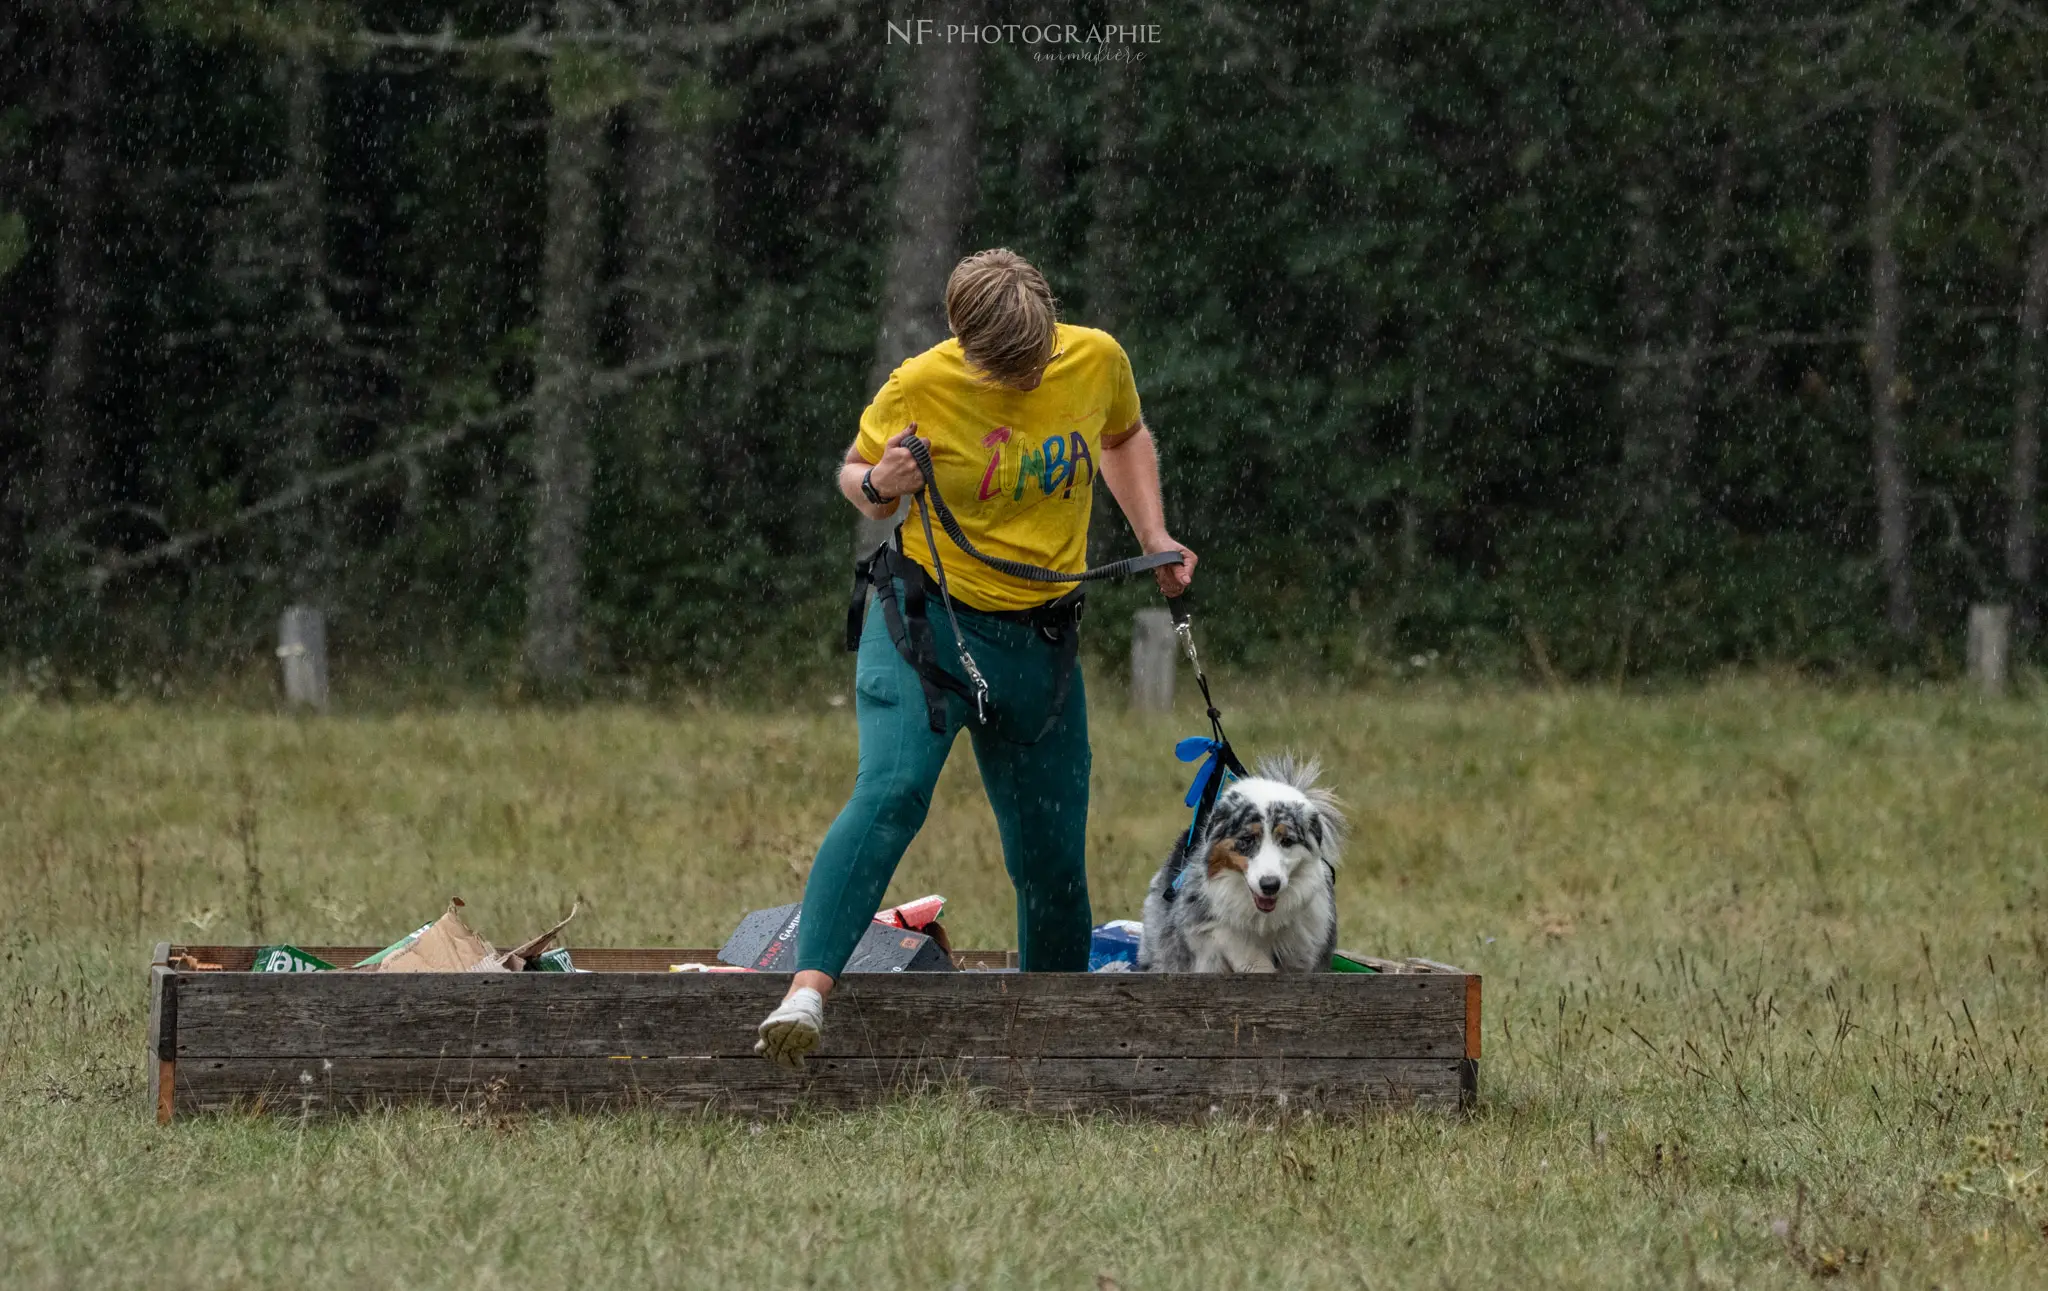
x: 1211, y: 752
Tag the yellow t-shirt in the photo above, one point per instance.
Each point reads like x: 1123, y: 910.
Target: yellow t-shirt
x: 1017, y: 467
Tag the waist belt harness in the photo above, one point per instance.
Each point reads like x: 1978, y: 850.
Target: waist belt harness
x: 910, y: 631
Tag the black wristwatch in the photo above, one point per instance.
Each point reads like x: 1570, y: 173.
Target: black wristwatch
x: 867, y: 487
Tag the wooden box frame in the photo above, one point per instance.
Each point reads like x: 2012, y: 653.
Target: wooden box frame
x: 631, y: 1033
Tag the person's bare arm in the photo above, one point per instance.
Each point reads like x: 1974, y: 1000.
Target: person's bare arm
x: 1130, y: 466
x: 895, y: 475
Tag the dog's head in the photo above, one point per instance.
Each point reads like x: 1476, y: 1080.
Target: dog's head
x: 1275, y: 829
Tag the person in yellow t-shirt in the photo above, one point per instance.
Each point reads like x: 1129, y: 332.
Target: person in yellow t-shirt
x: 1024, y: 416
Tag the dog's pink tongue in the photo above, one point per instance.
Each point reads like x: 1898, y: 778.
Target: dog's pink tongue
x: 1266, y: 904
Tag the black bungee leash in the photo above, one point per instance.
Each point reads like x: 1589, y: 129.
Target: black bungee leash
x: 1220, y: 761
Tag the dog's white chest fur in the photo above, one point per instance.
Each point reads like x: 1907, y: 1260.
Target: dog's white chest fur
x: 1245, y: 941
x: 1221, y: 948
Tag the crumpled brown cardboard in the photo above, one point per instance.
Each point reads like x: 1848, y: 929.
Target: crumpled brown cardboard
x: 450, y: 945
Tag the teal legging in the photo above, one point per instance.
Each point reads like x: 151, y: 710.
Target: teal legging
x: 1039, y: 791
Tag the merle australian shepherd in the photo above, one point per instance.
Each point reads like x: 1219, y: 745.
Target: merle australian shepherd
x: 1254, y: 892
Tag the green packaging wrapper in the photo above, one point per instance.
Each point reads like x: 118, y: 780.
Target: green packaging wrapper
x: 552, y: 961
x: 1343, y: 963
x: 394, y: 947
x: 287, y: 959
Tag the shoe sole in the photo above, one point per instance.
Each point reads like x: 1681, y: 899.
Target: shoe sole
x: 786, y: 1043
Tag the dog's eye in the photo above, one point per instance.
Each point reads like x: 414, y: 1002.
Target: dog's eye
x: 1246, y: 842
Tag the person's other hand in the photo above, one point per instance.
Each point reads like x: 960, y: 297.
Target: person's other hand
x: 1173, y: 579
x: 897, y: 474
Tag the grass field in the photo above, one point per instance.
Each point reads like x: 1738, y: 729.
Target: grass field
x: 1765, y: 967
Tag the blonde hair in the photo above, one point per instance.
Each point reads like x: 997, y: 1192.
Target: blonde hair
x: 1004, y: 314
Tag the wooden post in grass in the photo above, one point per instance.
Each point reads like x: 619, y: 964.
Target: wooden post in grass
x: 1990, y: 647
x: 1152, y: 659
x: 302, y: 649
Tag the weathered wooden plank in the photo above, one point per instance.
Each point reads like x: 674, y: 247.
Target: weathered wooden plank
x: 163, y: 1013
x: 1472, y: 984
x: 422, y: 1015
x: 597, y: 959
x: 749, y: 1086
x: 1416, y: 965
x: 163, y: 1030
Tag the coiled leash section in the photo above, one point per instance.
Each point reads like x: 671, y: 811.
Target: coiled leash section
x: 1058, y: 621
x: 929, y: 499
x: 921, y: 453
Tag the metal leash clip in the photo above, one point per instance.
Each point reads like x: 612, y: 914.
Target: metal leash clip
x: 980, y: 688
x: 1180, y: 608
x: 1185, y: 630
x: 924, y: 513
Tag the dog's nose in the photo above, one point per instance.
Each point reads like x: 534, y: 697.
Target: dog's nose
x: 1269, y: 886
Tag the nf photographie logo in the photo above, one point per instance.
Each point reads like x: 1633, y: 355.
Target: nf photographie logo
x: 922, y: 31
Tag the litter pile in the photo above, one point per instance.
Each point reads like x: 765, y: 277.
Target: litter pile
x: 446, y: 945
x: 1114, y: 947
x: 902, y: 939
x: 906, y: 938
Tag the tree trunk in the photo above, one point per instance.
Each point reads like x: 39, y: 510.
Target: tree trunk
x: 1894, y: 532
x: 2023, y: 479
x: 562, y: 403
x: 937, y: 109
x: 1660, y: 379
x: 667, y: 177
x: 1109, y: 217
x: 314, y: 330
x: 1645, y: 393
x: 1704, y: 312
x: 1108, y: 259
x: 1411, y: 499
x: 81, y: 287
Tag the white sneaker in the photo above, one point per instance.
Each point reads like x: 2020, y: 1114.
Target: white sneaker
x: 792, y: 1030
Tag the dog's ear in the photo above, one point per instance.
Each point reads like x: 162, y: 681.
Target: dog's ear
x: 1231, y: 813
x: 1326, y: 814
x: 1325, y: 824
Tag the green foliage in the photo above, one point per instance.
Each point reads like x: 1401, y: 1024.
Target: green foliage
x: 13, y: 240
x: 587, y: 81
x: 274, y: 24
x: 207, y: 20
x: 1333, y: 212
x: 696, y: 102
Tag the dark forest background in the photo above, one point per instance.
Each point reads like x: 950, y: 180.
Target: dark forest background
x: 1583, y: 340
